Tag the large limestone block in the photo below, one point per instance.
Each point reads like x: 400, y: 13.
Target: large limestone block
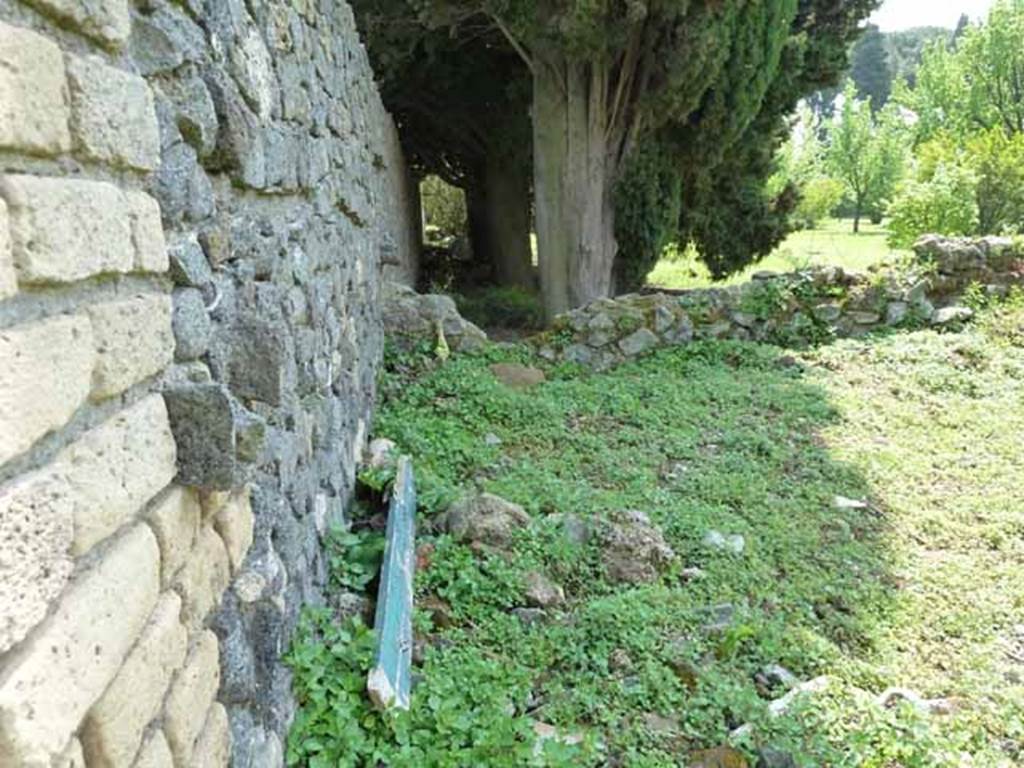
x: 203, y: 579
x: 114, y: 727
x: 8, y: 278
x: 190, y: 697
x: 33, y: 104
x: 50, y: 682
x: 105, y: 20
x: 234, y: 523
x: 147, y: 233
x: 133, y: 340
x: 35, y: 530
x: 112, y: 115
x: 64, y: 230
x: 155, y: 753
x: 175, y: 521
x: 213, y: 747
x: 45, y: 369
x: 116, y: 468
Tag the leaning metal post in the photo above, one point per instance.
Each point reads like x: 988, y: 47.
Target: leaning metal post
x: 389, y: 681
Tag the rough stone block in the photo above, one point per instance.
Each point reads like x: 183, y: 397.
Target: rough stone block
x: 234, y: 523
x: 113, y: 729
x: 71, y: 757
x: 33, y: 110
x: 51, y: 681
x: 64, y: 230
x: 202, y: 417
x: 105, y: 20
x: 191, y: 325
x: 44, y: 377
x: 213, y: 747
x: 133, y: 341
x: 36, y: 530
x: 116, y: 468
x: 203, y: 579
x: 154, y: 753
x: 8, y: 278
x: 147, y: 233
x: 175, y: 521
x: 256, y: 358
x: 113, y: 119
x: 190, y: 697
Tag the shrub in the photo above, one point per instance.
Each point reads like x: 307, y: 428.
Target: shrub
x: 944, y: 204
x: 819, y: 198
x: 444, y: 208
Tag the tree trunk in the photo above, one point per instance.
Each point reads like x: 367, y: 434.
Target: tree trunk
x: 507, y: 218
x: 478, y: 232
x: 573, y: 173
x: 856, y: 218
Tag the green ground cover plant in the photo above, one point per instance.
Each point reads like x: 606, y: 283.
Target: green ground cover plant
x: 921, y: 587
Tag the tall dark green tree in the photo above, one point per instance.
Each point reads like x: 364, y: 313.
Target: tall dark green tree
x: 869, y: 67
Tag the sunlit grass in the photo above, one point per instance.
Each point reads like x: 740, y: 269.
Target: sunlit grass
x: 832, y: 243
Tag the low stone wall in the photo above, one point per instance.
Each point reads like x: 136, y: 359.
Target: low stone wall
x: 197, y: 201
x: 808, y: 306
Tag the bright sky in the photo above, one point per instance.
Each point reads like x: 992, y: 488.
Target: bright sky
x: 902, y: 14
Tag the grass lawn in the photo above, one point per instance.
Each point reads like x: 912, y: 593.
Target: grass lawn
x: 832, y: 243
x: 922, y: 588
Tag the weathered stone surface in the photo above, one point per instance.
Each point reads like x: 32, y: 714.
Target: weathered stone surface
x: 51, y: 682
x: 191, y: 325
x: 147, y: 232
x: 517, y: 376
x: 204, y: 423
x: 112, y: 114
x: 164, y: 40
x: 188, y: 264
x: 112, y: 731
x: 190, y: 697
x: 541, y: 592
x: 485, y: 518
x: 116, y: 468
x: 154, y: 753
x: 71, y: 757
x: 45, y: 369
x: 65, y: 230
x: 175, y: 521
x: 638, y: 342
x: 133, y: 341
x: 410, y: 317
x: 36, y: 528
x: 33, y: 113
x: 948, y: 315
x: 234, y: 522
x: 105, y: 20
x: 194, y: 113
x: 8, y: 277
x: 213, y: 746
x: 203, y: 579
x: 634, y: 550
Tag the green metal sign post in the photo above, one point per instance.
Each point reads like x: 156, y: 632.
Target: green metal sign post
x: 389, y: 682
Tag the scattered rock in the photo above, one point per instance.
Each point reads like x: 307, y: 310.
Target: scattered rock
x: 541, y: 592
x: 381, y: 453
x: 774, y: 758
x: 545, y: 732
x: 781, y: 705
x: 528, y: 616
x: 517, y: 376
x: 576, y: 530
x: 721, y: 618
x: 896, y: 312
x: 349, y: 605
x: 719, y: 757
x: 891, y: 697
x: 948, y: 315
x: 439, y: 610
x: 775, y: 675
x: 841, y: 502
x: 734, y: 543
x: 864, y: 318
x: 484, y: 518
x: 411, y: 318
x: 619, y: 660
x: 634, y: 550
x: 691, y: 574
x: 659, y: 725
x: 492, y: 439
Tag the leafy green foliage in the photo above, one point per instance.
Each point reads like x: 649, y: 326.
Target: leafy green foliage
x: 944, y: 204
x: 444, y: 208
x: 865, y: 154
x: 920, y: 590
x: 354, y: 558
x: 503, y: 307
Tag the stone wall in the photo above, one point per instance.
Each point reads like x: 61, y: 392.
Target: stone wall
x: 196, y: 203
x: 809, y: 306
